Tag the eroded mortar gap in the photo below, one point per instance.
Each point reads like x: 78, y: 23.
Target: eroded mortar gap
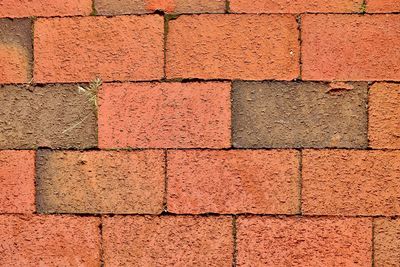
x: 232, y: 115
x: 94, y: 11
x: 167, y: 19
x: 373, y: 243
x: 367, y: 130
x: 300, y: 42
x: 101, y: 242
x: 165, y: 203
x: 363, y: 8
x: 227, y: 6
x: 300, y: 185
x: 234, y: 235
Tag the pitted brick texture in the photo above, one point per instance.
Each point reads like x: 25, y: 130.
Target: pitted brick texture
x: 288, y: 115
x: 295, y: 6
x: 100, y: 182
x: 168, y: 241
x: 49, y: 241
x: 54, y: 116
x: 387, y: 242
x: 165, y: 115
x: 312, y: 242
x: 15, y: 50
x: 233, y: 182
x: 233, y: 47
x: 384, y: 115
x: 80, y: 49
x: 383, y: 6
x: 44, y: 8
x: 17, y: 181
x: 351, y: 182
x: 114, y: 7
x: 351, y: 47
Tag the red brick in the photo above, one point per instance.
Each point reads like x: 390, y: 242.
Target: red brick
x: 49, y: 241
x: 43, y: 8
x: 383, y: 6
x: 17, y: 181
x: 15, y: 50
x: 100, y: 182
x: 237, y: 181
x: 81, y: 48
x: 165, y: 115
x: 384, y: 115
x: 311, y: 242
x: 233, y: 47
x: 168, y: 241
x: 351, y: 182
x: 113, y: 7
x: 294, y: 6
x: 351, y: 47
x: 386, y: 242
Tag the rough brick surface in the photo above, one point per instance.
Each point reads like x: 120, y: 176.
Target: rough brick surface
x: 233, y: 182
x: 100, y: 182
x: 387, y: 242
x: 384, y: 115
x: 51, y: 116
x: 15, y: 50
x: 294, y: 6
x: 233, y: 47
x: 275, y: 114
x: 312, y: 242
x: 168, y: 241
x: 44, y: 8
x: 383, y: 6
x: 17, y: 182
x: 118, y: 48
x: 351, y: 47
x: 165, y: 115
x: 49, y: 241
x: 351, y: 182
x: 113, y: 7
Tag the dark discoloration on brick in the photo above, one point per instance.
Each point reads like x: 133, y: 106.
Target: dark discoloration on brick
x: 100, y: 182
x: 387, y: 242
x: 41, y: 117
x: 281, y: 115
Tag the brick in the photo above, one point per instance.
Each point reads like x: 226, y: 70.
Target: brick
x: 56, y: 116
x: 236, y: 181
x: 383, y: 6
x: 294, y: 6
x: 49, y: 241
x: 386, y: 242
x: 287, y: 115
x: 43, y: 8
x: 313, y: 242
x: 166, y: 115
x: 384, y: 115
x: 17, y: 181
x: 168, y: 241
x: 114, y: 7
x: 351, y: 47
x: 351, y: 182
x: 15, y: 50
x: 233, y: 47
x: 100, y: 182
x: 82, y: 48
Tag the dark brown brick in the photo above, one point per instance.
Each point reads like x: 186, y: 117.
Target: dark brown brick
x: 45, y: 117
x: 281, y: 114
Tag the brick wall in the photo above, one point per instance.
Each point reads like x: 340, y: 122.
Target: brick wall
x: 200, y: 133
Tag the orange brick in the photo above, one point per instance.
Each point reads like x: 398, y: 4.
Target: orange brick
x: 49, y: 241
x: 15, y: 50
x: 113, y: 7
x: 294, y: 6
x: 81, y: 48
x: 351, y: 182
x: 43, y: 8
x: 351, y: 47
x: 387, y: 242
x: 311, y: 242
x: 168, y: 241
x: 100, y: 182
x: 165, y: 115
x: 384, y: 115
x: 383, y: 6
x: 17, y: 181
x: 233, y: 47
x: 237, y: 181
